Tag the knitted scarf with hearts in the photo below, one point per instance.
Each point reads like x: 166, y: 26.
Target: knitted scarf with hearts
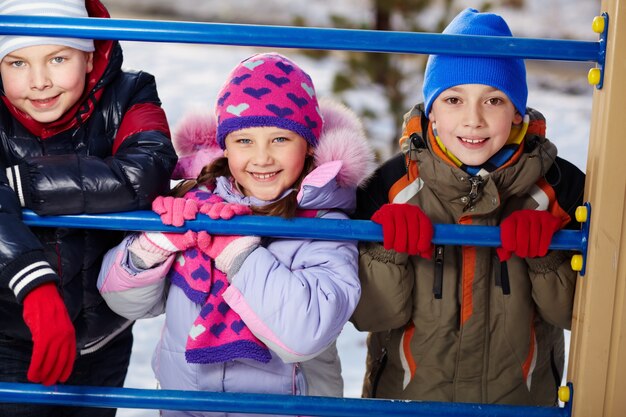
x: 218, y: 334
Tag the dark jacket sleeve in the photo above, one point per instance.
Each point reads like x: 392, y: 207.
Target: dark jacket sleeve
x: 375, y: 191
x: 552, y: 277
x: 22, y: 262
x: 128, y: 175
x: 568, y: 183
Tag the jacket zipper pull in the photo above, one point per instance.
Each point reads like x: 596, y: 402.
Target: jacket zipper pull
x: 475, y: 183
x: 438, y: 281
x: 377, y: 371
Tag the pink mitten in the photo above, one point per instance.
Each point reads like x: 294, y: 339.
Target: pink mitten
x: 175, y: 210
x: 223, y: 210
x: 152, y: 248
x: 228, y: 252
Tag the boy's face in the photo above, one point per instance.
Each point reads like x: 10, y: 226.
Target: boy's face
x: 265, y: 161
x: 473, y: 121
x: 44, y: 81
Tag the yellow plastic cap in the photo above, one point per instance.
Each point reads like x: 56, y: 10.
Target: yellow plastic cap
x: 564, y: 394
x: 581, y: 214
x: 577, y: 262
x: 594, y: 76
x: 597, y: 25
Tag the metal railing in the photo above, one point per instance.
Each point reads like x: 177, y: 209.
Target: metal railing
x: 258, y: 403
x: 285, y: 37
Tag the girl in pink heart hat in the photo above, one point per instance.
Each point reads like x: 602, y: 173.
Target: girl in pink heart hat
x: 246, y: 314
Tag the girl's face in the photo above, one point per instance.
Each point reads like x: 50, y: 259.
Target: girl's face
x: 265, y: 161
x: 473, y: 121
x: 44, y: 81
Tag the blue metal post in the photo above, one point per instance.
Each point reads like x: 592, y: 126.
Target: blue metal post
x: 285, y: 37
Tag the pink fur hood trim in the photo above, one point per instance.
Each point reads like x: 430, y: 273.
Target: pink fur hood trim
x: 342, y: 139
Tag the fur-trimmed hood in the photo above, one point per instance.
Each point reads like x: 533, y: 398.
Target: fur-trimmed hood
x: 343, y: 157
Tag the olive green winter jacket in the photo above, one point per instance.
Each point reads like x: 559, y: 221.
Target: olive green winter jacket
x: 462, y: 327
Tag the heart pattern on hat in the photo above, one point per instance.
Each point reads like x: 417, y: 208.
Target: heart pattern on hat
x: 286, y: 68
x: 309, y: 90
x: 298, y: 101
x: 256, y: 92
x: 238, y: 109
x: 279, y: 111
x: 222, y: 99
x: 268, y: 90
x: 251, y: 65
x: 278, y: 81
x: 239, y: 80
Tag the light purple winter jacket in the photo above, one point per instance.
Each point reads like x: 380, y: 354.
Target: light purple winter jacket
x: 294, y: 295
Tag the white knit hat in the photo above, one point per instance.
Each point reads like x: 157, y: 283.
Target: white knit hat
x: 63, y: 8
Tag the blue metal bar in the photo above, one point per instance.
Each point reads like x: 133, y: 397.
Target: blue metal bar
x: 257, y: 403
x: 302, y: 37
x: 329, y: 229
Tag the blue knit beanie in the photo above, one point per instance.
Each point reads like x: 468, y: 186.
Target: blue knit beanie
x: 446, y: 71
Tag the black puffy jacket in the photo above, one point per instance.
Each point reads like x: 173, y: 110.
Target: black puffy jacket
x: 110, y: 152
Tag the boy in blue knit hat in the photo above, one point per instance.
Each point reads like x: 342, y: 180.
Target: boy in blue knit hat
x: 467, y: 323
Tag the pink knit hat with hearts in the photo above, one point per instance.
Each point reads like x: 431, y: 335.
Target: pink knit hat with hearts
x: 268, y: 90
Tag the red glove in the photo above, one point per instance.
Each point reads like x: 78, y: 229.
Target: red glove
x: 54, y: 340
x: 175, y: 210
x: 228, y: 252
x: 223, y: 210
x: 406, y: 229
x: 527, y: 233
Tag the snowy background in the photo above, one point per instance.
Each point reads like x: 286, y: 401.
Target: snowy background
x: 189, y: 76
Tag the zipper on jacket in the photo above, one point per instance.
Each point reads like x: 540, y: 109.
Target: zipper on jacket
x: 502, y: 276
x: 438, y: 279
x: 377, y: 370
x: 475, y: 183
x: 296, y: 387
x: 379, y: 366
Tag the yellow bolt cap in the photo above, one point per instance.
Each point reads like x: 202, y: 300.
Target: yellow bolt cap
x: 594, y: 76
x: 597, y: 25
x: 577, y: 262
x: 564, y: 394
x: 581, y: 214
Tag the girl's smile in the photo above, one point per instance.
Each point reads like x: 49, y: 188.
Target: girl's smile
x: 264, y: 177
